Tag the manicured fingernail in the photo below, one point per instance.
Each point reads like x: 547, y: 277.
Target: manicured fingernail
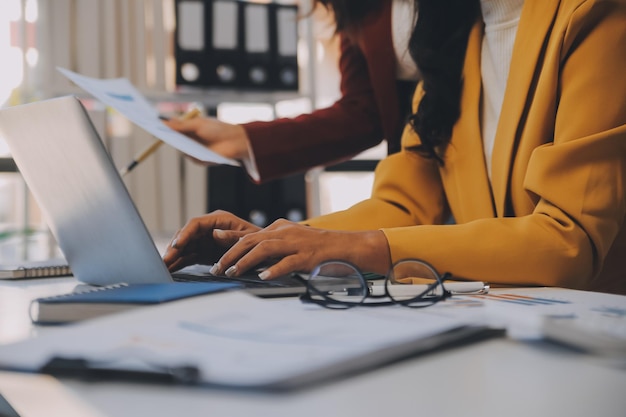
x: 215, y: 269
x: 231, y: 271
x: 219, y: 233
x: 265, y: 275
x: 174, y: 243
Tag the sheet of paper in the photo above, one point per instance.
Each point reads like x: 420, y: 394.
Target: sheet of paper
x: 121, y: 95
x: 235, y: 338
x: 522, y: 310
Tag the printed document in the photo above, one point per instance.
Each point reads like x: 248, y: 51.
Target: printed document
x: 121, y: 95
x: 235, y: 339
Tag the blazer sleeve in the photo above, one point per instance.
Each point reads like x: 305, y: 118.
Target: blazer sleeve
x: 578, y: 179
x: 351, y: 125
x: 407, y: 191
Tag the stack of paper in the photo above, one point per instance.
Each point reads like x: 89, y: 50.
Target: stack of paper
x: 235, y: 339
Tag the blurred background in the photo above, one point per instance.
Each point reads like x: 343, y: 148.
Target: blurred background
x: 139, y: 40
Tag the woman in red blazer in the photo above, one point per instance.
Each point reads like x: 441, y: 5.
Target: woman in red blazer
x: 373, y: 105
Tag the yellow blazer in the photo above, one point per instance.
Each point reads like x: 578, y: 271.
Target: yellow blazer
x: 554, y: 212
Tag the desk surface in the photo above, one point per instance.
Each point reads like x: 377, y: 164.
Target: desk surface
x: 503, y: 377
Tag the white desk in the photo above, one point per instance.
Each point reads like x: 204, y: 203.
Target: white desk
x: 496, y: 378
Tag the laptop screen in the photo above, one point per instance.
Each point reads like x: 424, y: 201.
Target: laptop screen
x: 78, y: 188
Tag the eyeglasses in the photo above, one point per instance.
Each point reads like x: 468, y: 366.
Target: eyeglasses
x: 410, y: 282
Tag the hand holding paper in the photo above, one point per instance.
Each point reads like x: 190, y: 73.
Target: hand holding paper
x: 121, y: 95
x: 153, y: 148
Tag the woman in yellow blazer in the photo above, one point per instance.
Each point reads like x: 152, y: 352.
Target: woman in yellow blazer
x: 553, y: 211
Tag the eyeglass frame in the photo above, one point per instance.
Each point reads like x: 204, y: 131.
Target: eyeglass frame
x: 335, y: 304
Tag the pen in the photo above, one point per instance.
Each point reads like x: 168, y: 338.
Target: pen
x: 456, y: 288
x: 152, y: 148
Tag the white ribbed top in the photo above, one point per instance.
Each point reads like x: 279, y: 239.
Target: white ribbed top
x: 501, y: 18
x: 402, y: 23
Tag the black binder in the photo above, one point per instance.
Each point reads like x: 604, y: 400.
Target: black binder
x: 284, y: 35
x: 208, y: 44
x: 230, y: 189
x: 257, y: 54
x: 236, y: 44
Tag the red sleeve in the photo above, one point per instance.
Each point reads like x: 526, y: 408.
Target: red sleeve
x: 351, y: 125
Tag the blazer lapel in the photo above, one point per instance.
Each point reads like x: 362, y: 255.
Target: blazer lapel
x: 464, y: 157
x: 535, y: 23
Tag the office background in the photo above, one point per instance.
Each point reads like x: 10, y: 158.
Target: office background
x: 137, y: 40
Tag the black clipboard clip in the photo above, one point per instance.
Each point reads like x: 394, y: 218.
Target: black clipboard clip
x: 84, y: 369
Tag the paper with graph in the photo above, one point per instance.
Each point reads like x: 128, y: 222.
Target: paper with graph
x: 121, y: 95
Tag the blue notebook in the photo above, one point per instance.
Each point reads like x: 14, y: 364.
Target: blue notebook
x: 116, y: 298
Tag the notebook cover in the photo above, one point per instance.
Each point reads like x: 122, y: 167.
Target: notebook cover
x: 140, y: 293
x: 35, y: 269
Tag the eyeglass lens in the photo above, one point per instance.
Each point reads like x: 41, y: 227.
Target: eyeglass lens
x: 414, y: 283
x: 339, y: 282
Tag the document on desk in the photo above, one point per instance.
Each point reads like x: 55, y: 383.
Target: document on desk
x: 590, y: 321
x: 121, y: 95
x: 237, y: 340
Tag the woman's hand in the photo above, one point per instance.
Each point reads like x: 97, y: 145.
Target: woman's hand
x: 204, y: 239
x: 228, y: 140
x: 294, y: 247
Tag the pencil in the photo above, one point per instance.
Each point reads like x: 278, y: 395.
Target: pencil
x: 152, y: 148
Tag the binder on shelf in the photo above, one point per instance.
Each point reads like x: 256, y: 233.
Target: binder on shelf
x: 190, y: 42
x: 284, y: 33
x: 230, y: 189
x: 224, y: 60
x: 257, y: 55
x: 208, y: 43
x: 236, y: 44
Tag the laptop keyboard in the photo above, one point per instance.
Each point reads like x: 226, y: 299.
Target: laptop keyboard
x: 248, y: 281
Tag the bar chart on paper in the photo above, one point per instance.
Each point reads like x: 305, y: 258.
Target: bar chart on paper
x: 570, y: 316
x: 524, y: 300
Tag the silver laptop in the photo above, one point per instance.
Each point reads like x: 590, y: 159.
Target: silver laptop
x: 84, y: 200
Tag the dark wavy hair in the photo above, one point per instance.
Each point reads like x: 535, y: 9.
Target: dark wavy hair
x: 349, y: 14
x: 438, y: 44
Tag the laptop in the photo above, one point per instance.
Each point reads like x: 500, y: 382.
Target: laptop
x: 86, y: 204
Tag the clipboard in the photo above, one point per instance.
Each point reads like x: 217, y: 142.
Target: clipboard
x: 235, y: 340
x: 191, y: 375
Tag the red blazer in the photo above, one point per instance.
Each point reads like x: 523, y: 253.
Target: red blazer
x: 367, y: 112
